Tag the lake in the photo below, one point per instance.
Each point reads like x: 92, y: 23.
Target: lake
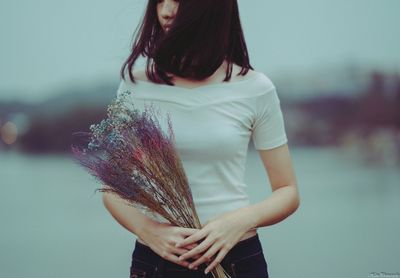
x: 348, y: 224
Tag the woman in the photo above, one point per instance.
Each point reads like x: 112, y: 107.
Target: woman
x: 198, y: 70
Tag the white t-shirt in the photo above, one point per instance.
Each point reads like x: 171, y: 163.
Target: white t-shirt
x: 213, y: 125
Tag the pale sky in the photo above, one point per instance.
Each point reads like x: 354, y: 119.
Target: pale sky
x: 47, y: 45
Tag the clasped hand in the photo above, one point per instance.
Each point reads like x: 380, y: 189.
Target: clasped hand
x: 220, y: 234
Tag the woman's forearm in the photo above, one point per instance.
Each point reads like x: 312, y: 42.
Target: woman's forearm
x: 280, y: 204
x: 129, y: 217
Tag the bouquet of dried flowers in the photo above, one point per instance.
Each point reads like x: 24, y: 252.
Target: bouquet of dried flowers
x: 130, y: 153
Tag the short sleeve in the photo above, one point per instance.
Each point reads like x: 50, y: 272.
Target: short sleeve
x: 121, y: 88
x: 268, y: 130
x: 125, y: 93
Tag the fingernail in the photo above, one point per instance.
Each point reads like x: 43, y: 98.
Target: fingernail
x: 180, y: 258
x: 190, y: 266
x: 205, y: 271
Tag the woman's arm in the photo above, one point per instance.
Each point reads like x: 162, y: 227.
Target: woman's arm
x: 224, y: 231
x: 284, y: 199
x: 129, y: 217
x: 160, y: 237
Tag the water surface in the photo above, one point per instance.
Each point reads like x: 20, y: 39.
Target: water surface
x: 53, y: 225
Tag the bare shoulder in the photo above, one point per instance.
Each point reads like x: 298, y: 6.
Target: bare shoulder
x: 236, y: 69
x: 265, y: 77
x: 140, y: 74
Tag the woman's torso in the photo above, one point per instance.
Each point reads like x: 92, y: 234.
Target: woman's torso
x: 215, y: 79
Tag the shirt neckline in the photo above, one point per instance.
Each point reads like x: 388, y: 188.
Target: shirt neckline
x: 149, y: 83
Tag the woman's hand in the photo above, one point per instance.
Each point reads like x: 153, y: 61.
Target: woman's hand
x: 221, y: 234
x: 161, y: 238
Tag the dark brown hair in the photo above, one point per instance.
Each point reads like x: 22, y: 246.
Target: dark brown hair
x: 203, y: 34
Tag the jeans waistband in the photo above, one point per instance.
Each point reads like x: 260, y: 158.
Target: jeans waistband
x: 241, y: 249
x: 246, y: 247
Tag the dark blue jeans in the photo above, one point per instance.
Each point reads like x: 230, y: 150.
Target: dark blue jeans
x: 244, y: 260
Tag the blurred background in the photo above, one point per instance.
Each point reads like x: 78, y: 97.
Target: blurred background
x: 336, y: 65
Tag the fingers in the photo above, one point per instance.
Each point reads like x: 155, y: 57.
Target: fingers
x: 189, y: 246
x: 198, y: 249
x: 206, y: 257
x: 173, y: 258
x: 192, y: 238
x: 216, y: 261
x: 181, y: 251
x: 169, y: 254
